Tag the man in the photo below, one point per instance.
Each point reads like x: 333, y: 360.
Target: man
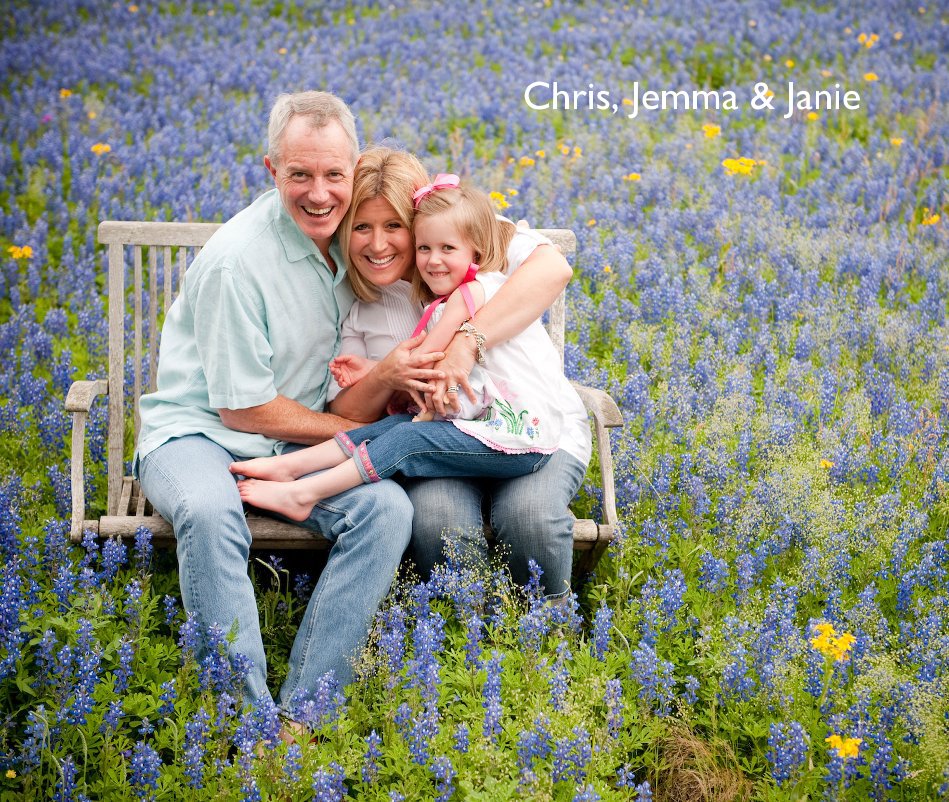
x: 243, y: 371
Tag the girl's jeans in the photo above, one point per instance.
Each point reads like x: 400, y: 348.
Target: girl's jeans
x: 428, y: 449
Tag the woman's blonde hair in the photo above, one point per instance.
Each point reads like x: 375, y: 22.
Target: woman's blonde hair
x: 472, y: 213
x: 393, y: 175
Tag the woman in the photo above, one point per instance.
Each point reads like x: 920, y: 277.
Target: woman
x: 529, y: 514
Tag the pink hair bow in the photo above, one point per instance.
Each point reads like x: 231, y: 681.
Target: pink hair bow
x: 442, y: 181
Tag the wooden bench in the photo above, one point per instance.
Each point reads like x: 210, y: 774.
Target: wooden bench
x: 148, y: 283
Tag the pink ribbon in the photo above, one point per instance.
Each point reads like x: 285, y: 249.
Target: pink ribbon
x: 442, y: 181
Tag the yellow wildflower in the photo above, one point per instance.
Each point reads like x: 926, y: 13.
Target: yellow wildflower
x: 607, y: 269
x: 711, y: 130
x: 826, y: 73
x: 540, y: 154
x: 848, y: 31
x: 101, y: 147
x: 18, y: 252
x: 830, y: 644
x: 846, y: 747
x: 632, y: 177
x: 929, y: 219
x: 868, y: 41
x: 577, y: 151
x: 896, y: 141
x: 133, y: 8
x: 282, y: 51
x: 512, y: 192
x: 826, y: 463
x: 499, y: 201
x: 526, y: 161
x: 11, y: 774
x: 564, y: 149
x: 65, y: 92
x: 627, y: 101
x: 740, y: 166
x: 898, y: 35
x: 813, y: 115
x: 767, y: 57
x: 591, y: 221
x: 789, y: 63
x: 871, y: 77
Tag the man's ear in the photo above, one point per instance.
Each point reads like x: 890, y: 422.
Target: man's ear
x: 269, y: 165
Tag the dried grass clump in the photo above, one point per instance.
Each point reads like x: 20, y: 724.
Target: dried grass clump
x: 695, y: 770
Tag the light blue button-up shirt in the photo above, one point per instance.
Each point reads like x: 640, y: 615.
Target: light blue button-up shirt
x: 259, y: 316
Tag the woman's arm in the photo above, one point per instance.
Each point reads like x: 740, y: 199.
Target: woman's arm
x: 403, y: 368
x: 525, y: 296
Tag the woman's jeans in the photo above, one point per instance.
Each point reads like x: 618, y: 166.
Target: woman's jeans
x: 529, y: 516
x: 188, y: 483
x: 429, y: 448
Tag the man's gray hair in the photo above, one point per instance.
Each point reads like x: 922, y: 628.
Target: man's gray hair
x: 319, y: 108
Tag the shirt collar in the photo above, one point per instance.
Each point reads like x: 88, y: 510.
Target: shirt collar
x: 298, y: 245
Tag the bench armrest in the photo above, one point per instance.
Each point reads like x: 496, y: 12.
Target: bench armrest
x: 82, y: 393
x: 79, y: 401
x: 606, y: 415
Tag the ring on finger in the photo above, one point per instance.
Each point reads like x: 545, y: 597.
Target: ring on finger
x: 452, y: 388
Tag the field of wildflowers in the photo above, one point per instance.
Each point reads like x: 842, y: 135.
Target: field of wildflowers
x: 764, y: 295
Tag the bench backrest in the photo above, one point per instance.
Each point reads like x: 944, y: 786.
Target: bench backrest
x: 147, y: 263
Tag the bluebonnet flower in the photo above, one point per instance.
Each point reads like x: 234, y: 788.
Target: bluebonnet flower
x: 392, y: 641
x: 492, y: 697
x: 321, y: 706
x: 302, y: 587
x: 126, y: 653
x: 170, y: 605
x: 167, y: 697
x: 143, y: 548
x: 654, y: 677
x: 66, y: 784
x: 461, y: 739
x: 292, y: 764
x: 787, y: 750
x: 587, y: 793
x: 197, y: 734
x: 572, y: 756
x: 602, y: 624
x: 444, y: 774
x: 145, y: 767
x: 110, y: 720
x: 35, y: 739
x: 691, y: 689
x: 559, y: 678
x: 329, y: 783
x: 714, y: 573
x: 613, y: 697
x: 188, y: 638
x: 114, y: 556
x: 473, y: 626
x: 370, y: 765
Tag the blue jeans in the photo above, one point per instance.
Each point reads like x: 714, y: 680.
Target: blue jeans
x: 188, y: 483
x: 430, y: 448
x: 529, y: 516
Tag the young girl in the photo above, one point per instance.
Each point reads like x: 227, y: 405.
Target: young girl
x: 510, y: 431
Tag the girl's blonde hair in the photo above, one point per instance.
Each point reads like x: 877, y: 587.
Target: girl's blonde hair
x: 472, y: 213
x: 393, y: 175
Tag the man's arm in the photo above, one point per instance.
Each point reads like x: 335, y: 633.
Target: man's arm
x: 285, y: 419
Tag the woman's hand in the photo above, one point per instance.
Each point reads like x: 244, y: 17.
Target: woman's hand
x: 457, y: 363
x: 404, y: 369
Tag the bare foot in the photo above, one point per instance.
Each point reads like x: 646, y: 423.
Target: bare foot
x: 283, y: 497
x: 274, y: 469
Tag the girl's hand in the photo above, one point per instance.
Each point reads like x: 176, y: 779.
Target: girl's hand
x: 457, y: 363
x: 347, y: 369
